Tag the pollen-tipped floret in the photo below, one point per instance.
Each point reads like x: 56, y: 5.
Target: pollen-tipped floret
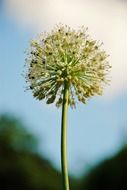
x: 66, y: 55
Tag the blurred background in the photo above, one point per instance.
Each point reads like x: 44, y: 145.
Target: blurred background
x: 30, y: 130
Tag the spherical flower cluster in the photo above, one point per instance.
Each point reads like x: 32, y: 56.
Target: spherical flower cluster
x: 66, y: 56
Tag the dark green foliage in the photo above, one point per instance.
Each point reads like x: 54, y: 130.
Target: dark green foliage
x: 111, y: 174
x: 14, y: 135
x: 21, y: 168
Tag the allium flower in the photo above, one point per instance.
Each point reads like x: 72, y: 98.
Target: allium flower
x: 66, y: 55
x: 65, y: 66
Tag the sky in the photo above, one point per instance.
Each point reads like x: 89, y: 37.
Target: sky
x: 96, y: 130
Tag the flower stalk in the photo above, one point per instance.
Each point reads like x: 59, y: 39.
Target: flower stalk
x: 64, y: 161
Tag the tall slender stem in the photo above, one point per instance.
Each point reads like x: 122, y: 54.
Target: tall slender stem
x: 64, y: 163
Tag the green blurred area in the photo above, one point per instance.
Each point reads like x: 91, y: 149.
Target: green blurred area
x: 110, y: 174
x: 22, y: 167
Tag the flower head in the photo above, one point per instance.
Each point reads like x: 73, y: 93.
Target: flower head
x: 66, y: 55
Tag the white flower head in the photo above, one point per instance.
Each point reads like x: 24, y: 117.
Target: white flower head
x: 66, y: 55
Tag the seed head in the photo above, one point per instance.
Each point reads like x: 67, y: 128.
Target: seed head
x: 66, y: 55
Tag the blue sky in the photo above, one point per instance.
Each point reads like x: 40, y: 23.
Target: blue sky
x: 95, y: 131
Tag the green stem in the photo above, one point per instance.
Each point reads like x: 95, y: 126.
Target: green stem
x: 64, y: 138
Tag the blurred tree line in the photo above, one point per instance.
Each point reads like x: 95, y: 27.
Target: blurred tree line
x: 22, y: 168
